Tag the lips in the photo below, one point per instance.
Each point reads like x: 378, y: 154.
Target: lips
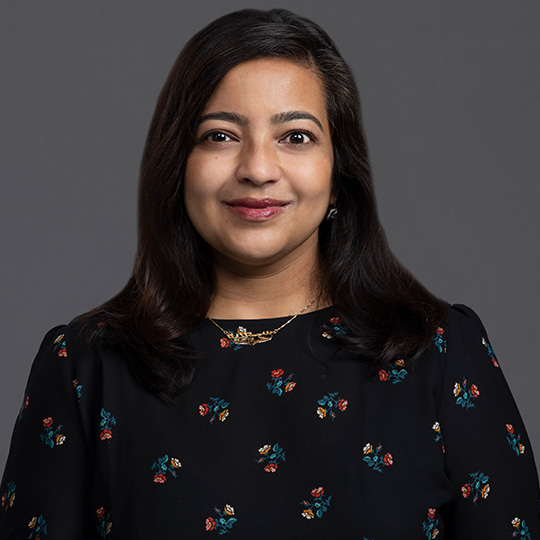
x: 256, y: 209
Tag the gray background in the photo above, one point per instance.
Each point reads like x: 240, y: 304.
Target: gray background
x: 450, y: 93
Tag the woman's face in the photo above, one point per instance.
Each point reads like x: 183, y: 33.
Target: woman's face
x: 258, y: 180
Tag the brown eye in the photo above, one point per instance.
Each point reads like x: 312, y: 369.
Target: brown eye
x: 218, y: 136
x: 298, y: 138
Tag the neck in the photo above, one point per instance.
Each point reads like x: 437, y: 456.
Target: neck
x: 263, y: 292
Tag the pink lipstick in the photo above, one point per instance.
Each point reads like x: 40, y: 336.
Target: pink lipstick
x: 256, y: 209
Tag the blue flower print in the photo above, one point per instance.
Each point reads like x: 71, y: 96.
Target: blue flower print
x: 465, y: 397
x: 395, y: 373
x: 216, y: 408
x: 334, y: 328
x: 107, y: 421
x: 60, y: 346
x: 78, y: 389
x: 164, y: 465
x: 521, y: 529
x: 490, y: 352
x: 224, y: 520
x: 318, y: 506
x: 431, y: 525
x: 440, y: 340
x: 104, y: 523
x: 8, y: 498
x: 273, y: 455
x: 478, y: 487
x: 38, y: 527
x: 24, y: 406
x: 329, y: 403
x: 278, y: 385
x: 438, y: 435
x: 50, y: 435
x: 372, y: 456
x: 514, y: 440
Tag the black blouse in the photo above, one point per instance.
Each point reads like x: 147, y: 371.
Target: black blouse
x: 288, y: 439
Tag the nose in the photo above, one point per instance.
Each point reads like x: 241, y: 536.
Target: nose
x: 258, y: 163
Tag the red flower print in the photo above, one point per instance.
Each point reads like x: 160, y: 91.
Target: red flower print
x: 47, y: 422
x: 4, y: 499
x: 210, y: 524
x: 400, y: 362
x: 342, y: 404
x: 335, y: 320
x: 431, y: 513
x: 317, y: 492
x: 383, y: 375
x: 466, y: 490
x: 440, y: 331
x: 474, y: 391
x: 388, y: 460
x: 510, y: 428
x: 289, y: 386
x: 105, y: 434
x: 26, y: 401
x: 271, y: 467
x: 100, y: 512
x: 224, y: 342
x: 277, y: 373
x: 160, y: 478
x: 203, y: 409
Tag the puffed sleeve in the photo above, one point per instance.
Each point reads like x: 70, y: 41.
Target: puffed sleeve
x: 47, y: 481
x: 488, y: 456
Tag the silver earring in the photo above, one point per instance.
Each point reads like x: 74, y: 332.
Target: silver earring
x: 332, y: 213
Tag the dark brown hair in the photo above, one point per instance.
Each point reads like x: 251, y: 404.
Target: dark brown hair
x: 388, y: 313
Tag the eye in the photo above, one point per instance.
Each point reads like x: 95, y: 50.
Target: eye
x: 217, y: 137
x: 299, y: 138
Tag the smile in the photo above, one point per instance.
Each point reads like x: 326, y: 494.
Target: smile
x: 256, y: 209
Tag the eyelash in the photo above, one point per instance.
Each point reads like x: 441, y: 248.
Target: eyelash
x: 304, y: 132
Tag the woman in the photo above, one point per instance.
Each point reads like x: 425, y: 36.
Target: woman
x: 270, y: 370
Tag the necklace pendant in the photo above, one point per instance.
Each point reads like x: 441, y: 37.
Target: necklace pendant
x: 244, y: 337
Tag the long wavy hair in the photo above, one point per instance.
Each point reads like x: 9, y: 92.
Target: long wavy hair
x: 388, y: 313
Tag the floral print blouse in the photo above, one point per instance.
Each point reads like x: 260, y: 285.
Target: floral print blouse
x: 288, y: 439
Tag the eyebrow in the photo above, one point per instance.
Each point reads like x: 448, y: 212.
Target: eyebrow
x: 279, y: 118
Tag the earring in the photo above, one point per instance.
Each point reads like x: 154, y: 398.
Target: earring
x: 332, y: 213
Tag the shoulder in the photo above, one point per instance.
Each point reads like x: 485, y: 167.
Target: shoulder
x: 67, y: 349
x: 466, y: 333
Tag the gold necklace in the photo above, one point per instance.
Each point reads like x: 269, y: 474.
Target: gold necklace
x: 244, y: 337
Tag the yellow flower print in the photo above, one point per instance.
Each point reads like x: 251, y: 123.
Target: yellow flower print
x: 229, y: 510
x: 457, y: 389
x: 436, y: 427
x: 223, y: 415
x: 176, y: 463
x: 32, y: 523
x: 321, y: 412
x: 61, y: 439
x: 485, y: 491
x: 368, y: 448
x: 516, y: 522
x: 308, y: 514
x: 265, y: 449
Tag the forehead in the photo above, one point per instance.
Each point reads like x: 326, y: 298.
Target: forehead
x: 269, y: 85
